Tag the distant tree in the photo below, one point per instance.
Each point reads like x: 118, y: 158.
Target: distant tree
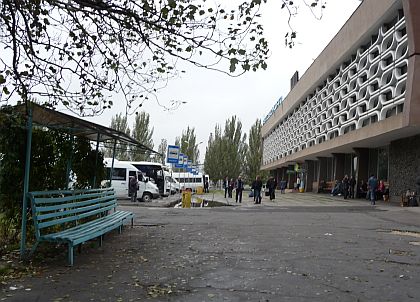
x: 254, y: 152
x: 214, y: 152
x: 188, y: 144
x: 162, y: 149
x: 235, y: 146
x: 142, y: 133
x: 120, y: 123
x: 225, y: 153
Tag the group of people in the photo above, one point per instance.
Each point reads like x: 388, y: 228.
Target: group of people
x: 372, y: 189
x: 376, y: 190
x: 270, y: 186
x: 230, y: 185
x: 344, y: 187
x: 256, y: 187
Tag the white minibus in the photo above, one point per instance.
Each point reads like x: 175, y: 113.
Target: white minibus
x: 155, y: 172
x: 189, y: 180
x: 120, y: 176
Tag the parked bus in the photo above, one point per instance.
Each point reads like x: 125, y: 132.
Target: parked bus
x: 120, y: 180
x: 189, y: 180
x: 156, y: 173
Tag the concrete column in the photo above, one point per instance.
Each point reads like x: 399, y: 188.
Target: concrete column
x: 278, y: 176
x: 291, y: 177
x: 339, y: 161
x: 283, y: 174
x: 322, y: 175
x: 310, y: 175
x: 362, y: 168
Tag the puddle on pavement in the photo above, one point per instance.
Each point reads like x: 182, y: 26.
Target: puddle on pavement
x: 405, y: 233
x: 197, y: 202
x: 408, y: 233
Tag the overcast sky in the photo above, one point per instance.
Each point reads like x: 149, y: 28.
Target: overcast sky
x: 213, y: 97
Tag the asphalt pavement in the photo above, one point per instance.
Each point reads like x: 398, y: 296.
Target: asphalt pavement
x: 299, y: 247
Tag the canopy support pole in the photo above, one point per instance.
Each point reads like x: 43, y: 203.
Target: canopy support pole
x: 112, y: 165
x: 96, y: 160
x: 69, y: 162
x: 26, y: 182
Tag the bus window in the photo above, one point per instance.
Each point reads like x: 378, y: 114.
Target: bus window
x: 117, y: 173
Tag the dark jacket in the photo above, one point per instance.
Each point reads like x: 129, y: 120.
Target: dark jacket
x: 239, y: 184
x: 133, y: 185
x: 258, y: 185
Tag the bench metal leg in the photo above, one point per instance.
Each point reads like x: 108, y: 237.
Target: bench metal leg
x: 132, y: 222
x: 101, y: 239
x: 33, y: 249
x: 120, y: 229
x: 70, y: 254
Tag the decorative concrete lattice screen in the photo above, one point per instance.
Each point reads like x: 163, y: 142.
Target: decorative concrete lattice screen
x: 368, y: 88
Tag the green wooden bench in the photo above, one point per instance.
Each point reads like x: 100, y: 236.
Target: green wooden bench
x: 75, y: 216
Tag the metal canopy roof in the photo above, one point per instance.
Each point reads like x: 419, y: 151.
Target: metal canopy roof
x: 53, y: 119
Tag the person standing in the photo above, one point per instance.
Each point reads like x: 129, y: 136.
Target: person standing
x: 283, y: 185
x: 206, y: 186
x: 381, y: 190
x: 297, y: 183
x: 345, y: 186
x: 231, y: 186
x: 372, y: 186
x: 352, y: 183
x: 133, y: 186
x: 239, y: 186
x: 258, y: 187
x: 253, y: 189
x: 226, y: 185
x: 271, y: 185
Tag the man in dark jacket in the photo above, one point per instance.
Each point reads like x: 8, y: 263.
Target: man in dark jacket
x: 372, y: 186
x: 271, y: 185
x: 226, y: 185
x: 239, y: 186
x: 132, y: 188
x: 258, y: 187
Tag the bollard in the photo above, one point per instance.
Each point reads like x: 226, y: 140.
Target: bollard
x: 186, y: 199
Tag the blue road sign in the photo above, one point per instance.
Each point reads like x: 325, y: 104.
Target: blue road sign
x: 173, y: 154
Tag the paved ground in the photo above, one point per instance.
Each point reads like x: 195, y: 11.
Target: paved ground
x: 301, y: 247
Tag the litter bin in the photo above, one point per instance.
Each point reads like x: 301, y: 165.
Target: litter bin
x: 186, y: 199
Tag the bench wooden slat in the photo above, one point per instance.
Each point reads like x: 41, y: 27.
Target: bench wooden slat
x: 69, y: 210
x: 65, y: 199
x: 59, y: 221
x: 91, y: 231
x: 70, y: 192
x: 68, y: 233
x: 72, y: 208
x: 88, y: 228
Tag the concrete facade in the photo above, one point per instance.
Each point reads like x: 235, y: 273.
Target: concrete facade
x: 354, y: 106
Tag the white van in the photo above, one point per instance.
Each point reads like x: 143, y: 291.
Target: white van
x: 172, y: 184
x: 156, y: 173
x: 120, y: 176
